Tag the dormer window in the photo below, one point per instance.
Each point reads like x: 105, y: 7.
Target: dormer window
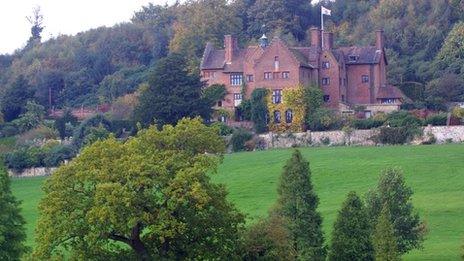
x: 353, y: 58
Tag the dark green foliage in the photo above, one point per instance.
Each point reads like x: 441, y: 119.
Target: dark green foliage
x: 314, y: 99
x: 45, y: 156
x: 57, y: 155
x: 384, y: 239
x: 259, y: 111
x: 297, y: 203
x: 239, y: 137
x: 86, y: 127
x: 395, y: 135
x: 8, y: 129
x: 173, y: 94
x: 122, y: 82
x: 12, y: 230
x: 224, y: 130
x: 268, y: 239
x: 323, y: 119
x: 60, y: 124
x: 393, y: 193
x: 437, y: 119
x: 214, y: 93
x: 245, y: 109
x: 365, y: 124
x: 15, y: 97
x: 351, y: 236
x: 402, y: 119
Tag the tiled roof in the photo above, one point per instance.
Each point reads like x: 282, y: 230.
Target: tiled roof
x: 212, y: 58
x: 364, y: 55
x: 390, y: 92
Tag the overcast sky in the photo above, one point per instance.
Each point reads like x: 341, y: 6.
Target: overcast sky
x: 62, y: 17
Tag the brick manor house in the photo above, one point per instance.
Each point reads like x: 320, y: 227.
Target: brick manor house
x: 349, y: 76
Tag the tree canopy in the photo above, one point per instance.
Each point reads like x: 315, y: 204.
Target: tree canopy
x: 147, y: 198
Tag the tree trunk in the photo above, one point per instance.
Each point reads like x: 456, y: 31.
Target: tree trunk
x: 137, y: 244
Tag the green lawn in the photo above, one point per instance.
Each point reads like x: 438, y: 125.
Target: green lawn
x: 436, y: 174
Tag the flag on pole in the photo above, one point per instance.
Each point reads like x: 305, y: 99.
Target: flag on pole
x: 325, y: 11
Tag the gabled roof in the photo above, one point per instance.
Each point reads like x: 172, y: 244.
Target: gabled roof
x: 364, y: 55
x: 390, y: 91
x: 212, y: 58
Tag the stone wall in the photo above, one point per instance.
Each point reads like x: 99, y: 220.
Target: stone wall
x: 443, y: 134
x: 31, y: 172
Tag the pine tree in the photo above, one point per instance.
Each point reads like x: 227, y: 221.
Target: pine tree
x: 12, y: 231
x: 392, y: 191
x: 383, y: 238
x: 351, y: 237
x: 297, y: 203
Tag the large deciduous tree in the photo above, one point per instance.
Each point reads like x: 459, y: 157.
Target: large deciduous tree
x: 15, y: 97
x: 351, y: 237
x: 393, y: 193
x: 172, y: 94
x: 297, y: 203
x: 12, y: 230
x: 149, y: 198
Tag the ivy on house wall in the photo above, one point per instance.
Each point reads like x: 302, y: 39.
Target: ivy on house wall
x: 292, y: 99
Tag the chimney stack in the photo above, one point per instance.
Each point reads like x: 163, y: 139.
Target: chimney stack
x: 315, y: 36
x: 328, y: 40
x: 230, y: 46
x: 379, y: 39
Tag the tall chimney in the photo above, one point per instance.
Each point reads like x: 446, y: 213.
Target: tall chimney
x: 379, y: 39
x: 230, y: 46
x: 328, y: 40
x: 315, y: 36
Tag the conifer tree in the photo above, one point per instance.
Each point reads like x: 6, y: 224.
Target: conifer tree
x: 351, y: 237
x: 392, y: 191
x: 383, y: 238
x: 12, y: 231
x: 297, y: 204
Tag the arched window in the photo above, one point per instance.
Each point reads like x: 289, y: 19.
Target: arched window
x: 276, y: 116
x: 289, y: 116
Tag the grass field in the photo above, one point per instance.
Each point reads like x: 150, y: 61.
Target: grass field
x: 436, y: 174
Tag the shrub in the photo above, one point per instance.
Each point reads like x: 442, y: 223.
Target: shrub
x: 396, y: 135
x: 8, y: 130
x: 365, y: 124
x: 437, y: 119
x: 239, y: 137
x: 402, y: 119
x: 259, y: 110
x: 62, y: 124
x: 87, y: 126
x: 250, y: 145
x: 24, y: 158
x: 323, y: 119
x: 431, y: 139
x: 224, y: 130
x: 57, y: 155
x: 39, y: 133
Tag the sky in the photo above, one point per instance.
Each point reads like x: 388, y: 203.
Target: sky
x: 62, y: 17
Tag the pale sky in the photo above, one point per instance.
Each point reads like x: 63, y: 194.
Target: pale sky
x: 62, y: 17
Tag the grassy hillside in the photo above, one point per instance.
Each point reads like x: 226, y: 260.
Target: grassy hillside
x: 436, y: 174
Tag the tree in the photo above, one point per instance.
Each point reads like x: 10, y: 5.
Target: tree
x: 297, y: 203
x: 12, y: 230
x: 259, y: 111
x: 31, y: 118
x: 351, y: 236
x: 68, y: 119
x: 392, y: 191
x: 148, y: 198
x: 384, y: 239
x: 37, y: 27
x: 268, y: 239
x: 172, y: 94
x: 15, y: 97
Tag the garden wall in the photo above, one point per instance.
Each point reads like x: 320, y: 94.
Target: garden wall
x: 31, y: 172
x: 443, y: 134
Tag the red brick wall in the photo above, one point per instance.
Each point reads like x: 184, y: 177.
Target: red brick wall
x: 333, y: 73
x: 358, y: 92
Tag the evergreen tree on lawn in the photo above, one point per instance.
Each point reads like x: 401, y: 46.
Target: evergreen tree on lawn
x: 393, y: 192
x: 172, y: 94
x: 12, y: 231
x: 297, y: 204
x: 384, y: 240
x: 351, y: 237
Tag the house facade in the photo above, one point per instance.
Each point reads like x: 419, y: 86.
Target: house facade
x: 349, y: 76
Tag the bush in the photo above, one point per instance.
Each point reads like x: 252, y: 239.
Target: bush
x: 118, y: 127
x: 259, y: 110
x: 437, y: 119
x: 239, y: 137
x: 402, y: 119
x: 396, y: 135
x: 323, y: 119
x: 39, y: 133
x: 24, y: 158
x: 8, y: 130
x: 250, y: 145
x: 224, y: 130
x: 57, y: 155
x: 365, y: 124
x: 431, y: 139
